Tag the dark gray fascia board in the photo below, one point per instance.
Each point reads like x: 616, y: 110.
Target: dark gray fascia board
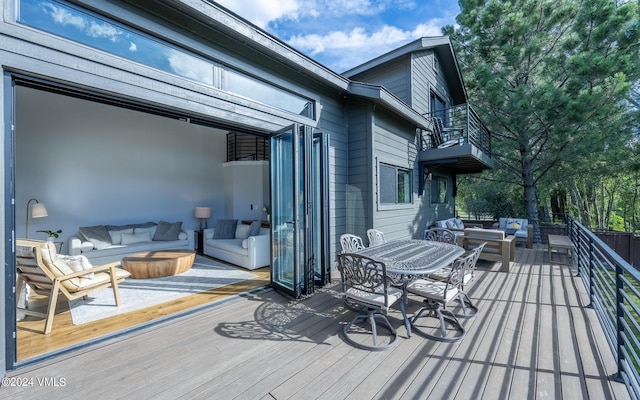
x: 382, y: 96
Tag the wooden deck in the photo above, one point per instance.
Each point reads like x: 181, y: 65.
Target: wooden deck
x: 533, y: 338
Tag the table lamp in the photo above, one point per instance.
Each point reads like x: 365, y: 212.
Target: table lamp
x: 38, y: 211
x: 203, y: 213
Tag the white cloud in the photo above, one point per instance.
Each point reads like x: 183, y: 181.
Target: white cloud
x: 62, y: 16
x: 262, y: 12
x: 133, y: 47
x: 361, y: 45
x: 104, y: 30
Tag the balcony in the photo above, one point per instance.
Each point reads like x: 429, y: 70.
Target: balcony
x: 458, y: 142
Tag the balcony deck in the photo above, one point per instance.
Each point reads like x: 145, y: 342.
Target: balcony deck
x: 533, y: 338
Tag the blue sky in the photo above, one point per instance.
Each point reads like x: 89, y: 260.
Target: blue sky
x: 342, y: 34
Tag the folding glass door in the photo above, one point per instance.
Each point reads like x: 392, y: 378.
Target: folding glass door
x: 299, y: 222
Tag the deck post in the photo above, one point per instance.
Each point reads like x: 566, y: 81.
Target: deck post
x: 591, y: 294
x: 619, y: 322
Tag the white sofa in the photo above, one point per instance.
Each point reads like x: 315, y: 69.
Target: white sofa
x: 123, y: 240
x: 250, y: 252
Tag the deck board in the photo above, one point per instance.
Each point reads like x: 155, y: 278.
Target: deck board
x: 533, y: 339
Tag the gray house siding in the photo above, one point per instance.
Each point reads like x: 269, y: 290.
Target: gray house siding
x: 358, y: 191
x: 394, y: 76
x: 394, y: 144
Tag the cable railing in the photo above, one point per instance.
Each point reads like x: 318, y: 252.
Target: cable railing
x: 614, y: 293
x: 460, y: 124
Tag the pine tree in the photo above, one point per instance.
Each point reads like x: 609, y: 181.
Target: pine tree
x: 550, y: 79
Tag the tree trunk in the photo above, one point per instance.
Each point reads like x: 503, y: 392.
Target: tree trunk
x: 530, y: 198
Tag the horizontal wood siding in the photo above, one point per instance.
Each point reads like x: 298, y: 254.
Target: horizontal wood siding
x: 425, y: 79
x: 395, y: 144
x: 395, y: 76
x: 359, y: 182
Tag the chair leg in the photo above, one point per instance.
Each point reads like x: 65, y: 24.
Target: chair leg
x: 407, y: 323
x: 446, y: 318
x: 371, y: 317
x: 51, y: 308
x: 469, y: 310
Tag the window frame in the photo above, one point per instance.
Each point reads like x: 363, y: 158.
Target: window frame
x: 435, y: 183
x: 396, y: 168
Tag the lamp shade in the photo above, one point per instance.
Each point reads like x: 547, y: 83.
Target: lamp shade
x: 39, y: 211
x: 203, y: 212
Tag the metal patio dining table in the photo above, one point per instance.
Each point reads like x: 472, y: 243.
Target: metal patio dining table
x: 409, y: 259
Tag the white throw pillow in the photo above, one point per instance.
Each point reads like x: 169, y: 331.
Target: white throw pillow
x: 116, y: 236
x: 242, y: 231
x: 77, y: 264
x: 136, y: 237
x: 151, y: 230
x: 182, y: 236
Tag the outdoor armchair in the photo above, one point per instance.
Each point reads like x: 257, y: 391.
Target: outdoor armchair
x: 351, y: 243
x: 38, y: 266
x: 375, y: 237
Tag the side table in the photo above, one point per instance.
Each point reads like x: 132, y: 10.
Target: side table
x: 199, y: 239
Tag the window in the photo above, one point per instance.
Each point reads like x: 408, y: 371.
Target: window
x: 438, y: 190
x: 66, y: 21
x: 395, y: 185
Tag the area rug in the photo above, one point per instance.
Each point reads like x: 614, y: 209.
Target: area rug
x: 136, y: 294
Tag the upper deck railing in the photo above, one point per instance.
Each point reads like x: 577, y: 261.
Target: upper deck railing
x: 614, y: 294
x: 461, y: 125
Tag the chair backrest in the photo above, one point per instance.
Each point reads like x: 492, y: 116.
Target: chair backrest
x: 440, y: 235
x: 363, y: 274
x: 376, y: 237
x: 470, y: 266
x: 438, y: 127
x: 38, y: 264
x: 351, y: 243
x: 30, y: 267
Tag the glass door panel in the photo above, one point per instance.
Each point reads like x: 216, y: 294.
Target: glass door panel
x: 320, y: 208
x: 284, y: 266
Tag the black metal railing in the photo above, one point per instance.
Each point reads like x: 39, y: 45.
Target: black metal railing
x: 613, y: 286
x: 461, y: 125
x: 241, y: 146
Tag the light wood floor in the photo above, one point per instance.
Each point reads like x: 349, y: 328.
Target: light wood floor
x: 31, y: 342
x: 533, y: 339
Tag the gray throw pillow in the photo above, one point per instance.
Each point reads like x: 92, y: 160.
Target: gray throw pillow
x: 97, y: 235
x: 255, y: 228
x: 225, y: 229
x: 168, y: 231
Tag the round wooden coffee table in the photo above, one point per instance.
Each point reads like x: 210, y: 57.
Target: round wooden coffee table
x: 158, y: 263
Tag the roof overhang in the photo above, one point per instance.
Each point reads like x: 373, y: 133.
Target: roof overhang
x: 379, y: 95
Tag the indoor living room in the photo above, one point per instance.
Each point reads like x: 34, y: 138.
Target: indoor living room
x: 103, y: 162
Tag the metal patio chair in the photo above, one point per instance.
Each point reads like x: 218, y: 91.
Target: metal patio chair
x: 440, y: 235
x: 376, y: 237
x: 437, y: 295
x: 351, y: 243
x: 366, y: 285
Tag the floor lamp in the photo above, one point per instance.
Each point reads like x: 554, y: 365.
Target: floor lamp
x: 203, y: 213
x: 38, y: 211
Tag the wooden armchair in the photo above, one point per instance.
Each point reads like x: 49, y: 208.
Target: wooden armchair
x: 38, y: 265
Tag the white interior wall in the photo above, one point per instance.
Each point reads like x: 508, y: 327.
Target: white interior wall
x: 247, y: 200
x: 91, y: 163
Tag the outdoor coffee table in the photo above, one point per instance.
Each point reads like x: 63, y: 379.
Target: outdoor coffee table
x: 559, y: 242
x: 158, y: 263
